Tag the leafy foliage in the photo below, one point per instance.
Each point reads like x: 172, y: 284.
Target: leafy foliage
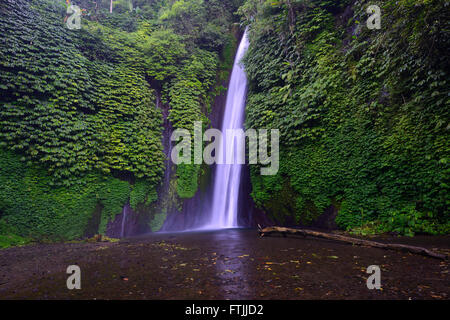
x: 363, y: 113
x: 35, y: 208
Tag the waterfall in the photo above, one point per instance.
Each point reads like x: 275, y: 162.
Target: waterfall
x: 124, y: 221
x: 227, y: 176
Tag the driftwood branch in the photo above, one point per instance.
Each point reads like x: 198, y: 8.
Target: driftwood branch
x: 392, y: 246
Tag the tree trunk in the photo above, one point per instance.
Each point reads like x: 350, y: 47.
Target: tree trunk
x: 392, y: 246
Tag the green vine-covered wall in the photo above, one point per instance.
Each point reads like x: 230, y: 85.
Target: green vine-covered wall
x: 363, y: 114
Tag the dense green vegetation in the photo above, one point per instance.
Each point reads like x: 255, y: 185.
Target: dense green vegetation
x: 79, y: 125
x: 363, y: 113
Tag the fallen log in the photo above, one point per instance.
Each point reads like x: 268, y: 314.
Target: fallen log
x: 354, y: 241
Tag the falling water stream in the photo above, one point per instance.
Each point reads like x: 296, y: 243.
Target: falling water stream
x: 227, y: 177
x: 124, y: 221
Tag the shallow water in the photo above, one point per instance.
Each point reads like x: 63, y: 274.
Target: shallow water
x: 226, y: 264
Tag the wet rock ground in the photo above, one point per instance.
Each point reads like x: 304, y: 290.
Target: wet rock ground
x: 228, y: 264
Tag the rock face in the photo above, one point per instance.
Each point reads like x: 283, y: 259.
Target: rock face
x: 126, y: 224
x: 249, y: 215
x: 352, y: 153
x: 195, y: 209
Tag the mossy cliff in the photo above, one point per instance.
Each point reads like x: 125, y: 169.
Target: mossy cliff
x: 80, y: 132
x: 363, y: 113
